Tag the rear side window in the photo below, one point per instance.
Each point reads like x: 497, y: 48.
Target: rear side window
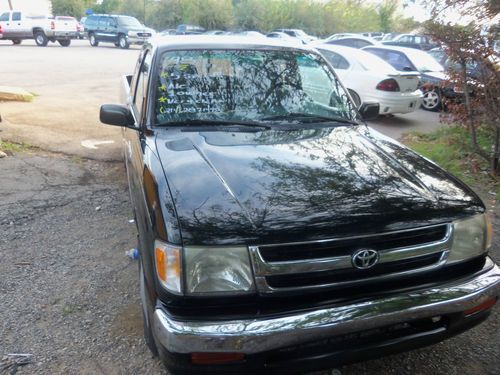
x: 4, y: 17
x: 16, y: 16
x: 396, y: 59
x: 337, y: 61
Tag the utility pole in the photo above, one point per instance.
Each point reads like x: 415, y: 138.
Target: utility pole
x: 10, y: 5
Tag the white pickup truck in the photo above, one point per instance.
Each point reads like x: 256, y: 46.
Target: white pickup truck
x: 16, y: 26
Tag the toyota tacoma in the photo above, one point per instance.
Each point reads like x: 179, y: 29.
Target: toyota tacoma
x: 278, y: 233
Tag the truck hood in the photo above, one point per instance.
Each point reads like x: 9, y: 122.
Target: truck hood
x: 277, y: 186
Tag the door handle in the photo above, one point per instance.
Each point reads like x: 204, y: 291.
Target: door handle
x: 19, y: 24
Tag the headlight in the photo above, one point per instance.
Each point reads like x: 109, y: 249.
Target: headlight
x: 222, y: 270
x: 130, y: 33
x: 471, y: 237
x: 168, y: 266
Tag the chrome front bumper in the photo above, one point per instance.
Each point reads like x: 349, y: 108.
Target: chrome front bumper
x: 261, y: 335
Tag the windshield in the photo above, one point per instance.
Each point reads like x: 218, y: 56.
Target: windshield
x: 247, y: 85
x: 129, y: 21
x: 424, y: 62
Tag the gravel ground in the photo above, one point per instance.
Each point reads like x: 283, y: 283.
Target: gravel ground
x: 69, y: 296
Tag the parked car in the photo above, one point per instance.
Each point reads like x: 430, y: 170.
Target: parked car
x: 389, y: 36
x: 353, y: 41
x: 251, y: 34
x: 473, y: 69
x: 189, y: 30
x: 17, y: 26
x: 168, y: 32
x: 433, y: 76
x: 422, y: 42
x: 376, y: 35
x: 369, y: 78
x: 277, y: 232
x: 284, y: 37
x: 71, y: 22
x: 297, y: 33
x: 120, y: 30
x: 337, y: 36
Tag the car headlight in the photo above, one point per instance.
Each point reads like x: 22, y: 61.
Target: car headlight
x: 168, y: 266
x: 471, y: 237
x: 217, y: 270
x: 130, y: 33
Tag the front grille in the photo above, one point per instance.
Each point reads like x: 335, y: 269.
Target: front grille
x: 327, y: 249
x: 144, y: 35
x: 330, y: 263
x: 351, y: 274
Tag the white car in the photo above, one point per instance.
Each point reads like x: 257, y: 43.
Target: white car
x: 369, y: 78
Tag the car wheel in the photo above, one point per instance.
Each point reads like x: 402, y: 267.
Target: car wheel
x: 41, y: 39
x: 148, y: 332
x: 431, y: 100
x: 93, y: 41
x: 65, y: 42
x: 355, y: 98
x: 17, y: 41
x: 123, y: 42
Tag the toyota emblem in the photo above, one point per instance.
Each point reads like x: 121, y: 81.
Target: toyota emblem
x: 365, y: 258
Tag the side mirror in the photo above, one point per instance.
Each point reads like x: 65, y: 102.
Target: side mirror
x: 369, y: 110
x: 116, y: 114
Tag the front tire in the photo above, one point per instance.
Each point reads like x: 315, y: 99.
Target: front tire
x: 123, y: 42
x: 431, y: 100
x: 41, y: 39
x: 93, y: 41
x: 64, y: 42
x: 148, y: 332
x: 16, y: 41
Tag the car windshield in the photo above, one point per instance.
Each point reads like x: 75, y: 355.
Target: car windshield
x: 247, y: 85
x: 128, y: 21
x: 424, y: 62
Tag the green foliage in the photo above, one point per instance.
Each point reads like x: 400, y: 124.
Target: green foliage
x: 321, y: 18
x: 451, y: 148
x: 72, y: 8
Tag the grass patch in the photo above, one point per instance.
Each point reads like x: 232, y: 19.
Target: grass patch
x: 11, y: 147
x: 450, y: 148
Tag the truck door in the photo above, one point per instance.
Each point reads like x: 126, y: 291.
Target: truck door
x: 16, y: 26
x: 134, y: 139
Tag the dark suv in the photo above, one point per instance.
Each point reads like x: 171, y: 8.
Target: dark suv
x: 120, y: 30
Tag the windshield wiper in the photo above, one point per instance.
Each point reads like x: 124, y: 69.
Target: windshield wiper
x: 308, y: 117
x: 198, y: 122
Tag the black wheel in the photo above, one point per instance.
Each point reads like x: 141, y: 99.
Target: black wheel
x: 41, y: 39
x: 93, y: 41
x: 123, y: 42
x: 355, y: 97
x: 148, y: 333
x: 17, y: 41
x: 64, y: 42
x: 431, y: 100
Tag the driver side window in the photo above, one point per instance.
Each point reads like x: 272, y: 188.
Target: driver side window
x: 139, y: 100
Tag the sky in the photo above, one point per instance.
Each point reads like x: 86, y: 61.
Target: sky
x: 31, y: 6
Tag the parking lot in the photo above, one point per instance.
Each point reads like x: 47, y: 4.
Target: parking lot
x: 68, y: 294
x: 71, y: 84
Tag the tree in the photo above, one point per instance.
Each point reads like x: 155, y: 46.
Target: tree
x: 72, y: 8
x: 468, y: 45
x: 386, y: 15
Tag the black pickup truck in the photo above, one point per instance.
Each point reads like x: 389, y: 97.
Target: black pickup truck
x: 278, y: 233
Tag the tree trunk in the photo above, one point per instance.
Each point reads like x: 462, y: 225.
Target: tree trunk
x: 470, y: 116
